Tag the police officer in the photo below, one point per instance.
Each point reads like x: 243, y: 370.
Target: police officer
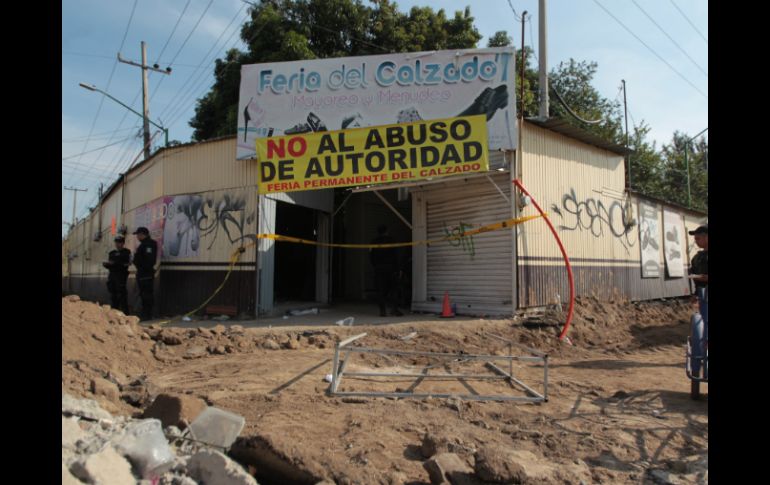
x: 386, y: 272
x: 699, y: 268
x: 144, y: 260
x: 117, y: 263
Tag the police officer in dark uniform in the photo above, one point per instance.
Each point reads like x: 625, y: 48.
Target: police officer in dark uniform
x: 117, y: 263
x: 386, y: 272
x: 144, y: 260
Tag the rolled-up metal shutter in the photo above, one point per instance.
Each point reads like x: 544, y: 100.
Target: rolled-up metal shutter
x: 475, y: 271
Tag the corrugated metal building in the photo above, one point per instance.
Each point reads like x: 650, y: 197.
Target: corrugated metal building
x: 201, y: 204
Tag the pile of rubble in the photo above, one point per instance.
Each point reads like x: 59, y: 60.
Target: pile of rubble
x: 99, y: 448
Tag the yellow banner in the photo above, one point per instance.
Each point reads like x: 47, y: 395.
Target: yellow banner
x: 373, y: 155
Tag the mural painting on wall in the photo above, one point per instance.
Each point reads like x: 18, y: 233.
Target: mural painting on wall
x: 673, y: 236
x: 594, y: 216
x: 191, y: 217
x: 464, y: 242
x: 153, y: 217
x: 649, y: 235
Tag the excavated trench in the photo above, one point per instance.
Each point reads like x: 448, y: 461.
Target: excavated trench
x: 272, y: 468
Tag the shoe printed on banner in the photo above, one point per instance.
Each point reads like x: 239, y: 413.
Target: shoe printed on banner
x: 488, y: 102
x: 352, y: 121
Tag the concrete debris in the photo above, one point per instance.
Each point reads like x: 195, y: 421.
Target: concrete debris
x: 501, y: 465
x: 84, y: 408
x: 175, y: 409
x: 120, y: 450
x: 103, y: 387
x: 448, y: 468
x: 209, y: 466
x: 107, y: 467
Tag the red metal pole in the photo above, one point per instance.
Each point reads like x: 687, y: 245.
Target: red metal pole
x: 566, y: 261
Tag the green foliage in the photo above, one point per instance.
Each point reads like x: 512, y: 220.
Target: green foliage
x: 675, y: 170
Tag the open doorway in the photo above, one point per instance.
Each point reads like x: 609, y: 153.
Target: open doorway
x: 357, y: 221
x: 295, y: 264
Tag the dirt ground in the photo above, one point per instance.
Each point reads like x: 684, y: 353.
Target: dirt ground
x: 619, y: 409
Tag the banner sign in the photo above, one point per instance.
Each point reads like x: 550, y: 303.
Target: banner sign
x: 672, y: 243
x: 285, y: 98
x: 649, y: 235
x: 377, y: 155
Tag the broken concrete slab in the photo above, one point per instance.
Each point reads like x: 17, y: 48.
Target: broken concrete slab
x: 208, y: 466
x: 86, y: 408
x: 502, y: 465
x: 70, y: 432
x: 106, y: 467
x: 448, y: 468
x: 217, y: 427
x: 175, y: 409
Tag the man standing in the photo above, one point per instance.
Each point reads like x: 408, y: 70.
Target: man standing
x: 117, y: 263
x: 386, y: 271
x: 144, y: 260
x: 699, y: 268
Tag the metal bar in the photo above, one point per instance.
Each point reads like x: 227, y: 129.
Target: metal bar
x: 335, y: 363
x: 342, y: 369
x: 545, y: 379
x: 436, y: 354
x: 467, y: 397
x: 350, y: 339
x: 431, y: 376
x: 398, y: 214
x: 498, y: 189
x: 529, y: 389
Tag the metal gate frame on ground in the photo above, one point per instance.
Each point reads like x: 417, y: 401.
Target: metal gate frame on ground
x: 338, y: 371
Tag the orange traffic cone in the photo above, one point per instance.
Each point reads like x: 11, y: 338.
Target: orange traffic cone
x: 447, y: 311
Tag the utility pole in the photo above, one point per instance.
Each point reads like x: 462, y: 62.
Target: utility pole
x: 145, y: 93
x: 74, y: 202
x: 687, y: 165
x: 543, y: 115
x: 625, y: 110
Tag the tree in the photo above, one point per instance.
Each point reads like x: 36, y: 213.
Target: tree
x: 290, y: 30
x: 572, y: 80
x: 674, y: 177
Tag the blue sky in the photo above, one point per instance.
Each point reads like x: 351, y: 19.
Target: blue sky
x: 668, y: 96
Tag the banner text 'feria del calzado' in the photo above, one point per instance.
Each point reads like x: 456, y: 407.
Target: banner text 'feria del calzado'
x: 375, y: 155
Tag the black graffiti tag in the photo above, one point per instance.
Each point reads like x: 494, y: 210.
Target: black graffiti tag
x: 593, y: 215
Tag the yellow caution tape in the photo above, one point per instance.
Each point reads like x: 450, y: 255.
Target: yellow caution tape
x: 488, y: 228
x: 277, y: 237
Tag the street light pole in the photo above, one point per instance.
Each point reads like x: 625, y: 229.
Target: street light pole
x: 91, y: 87
x: 687, y: 166
x: 145, y: 93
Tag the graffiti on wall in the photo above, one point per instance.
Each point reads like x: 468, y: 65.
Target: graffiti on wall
x: 594, y: 216
x: 192, y: 217
x: 465, y: 243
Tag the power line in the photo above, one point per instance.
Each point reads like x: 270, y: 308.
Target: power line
x: 95, y: 149
x: 569, y: 110
x: 195, y: 27
x: 514, y: 11
x: 173, y: 31
x: 179, y: 91
x: 671, y: 39
x: 109, y: 81
x: 690, y: 22
x: 651, y: 50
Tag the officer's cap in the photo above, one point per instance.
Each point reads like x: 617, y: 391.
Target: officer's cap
x: 120, y: 239
x: 142, y: 230
x: 700, y: 230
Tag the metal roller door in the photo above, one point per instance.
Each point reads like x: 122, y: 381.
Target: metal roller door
x: 477, y: 270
